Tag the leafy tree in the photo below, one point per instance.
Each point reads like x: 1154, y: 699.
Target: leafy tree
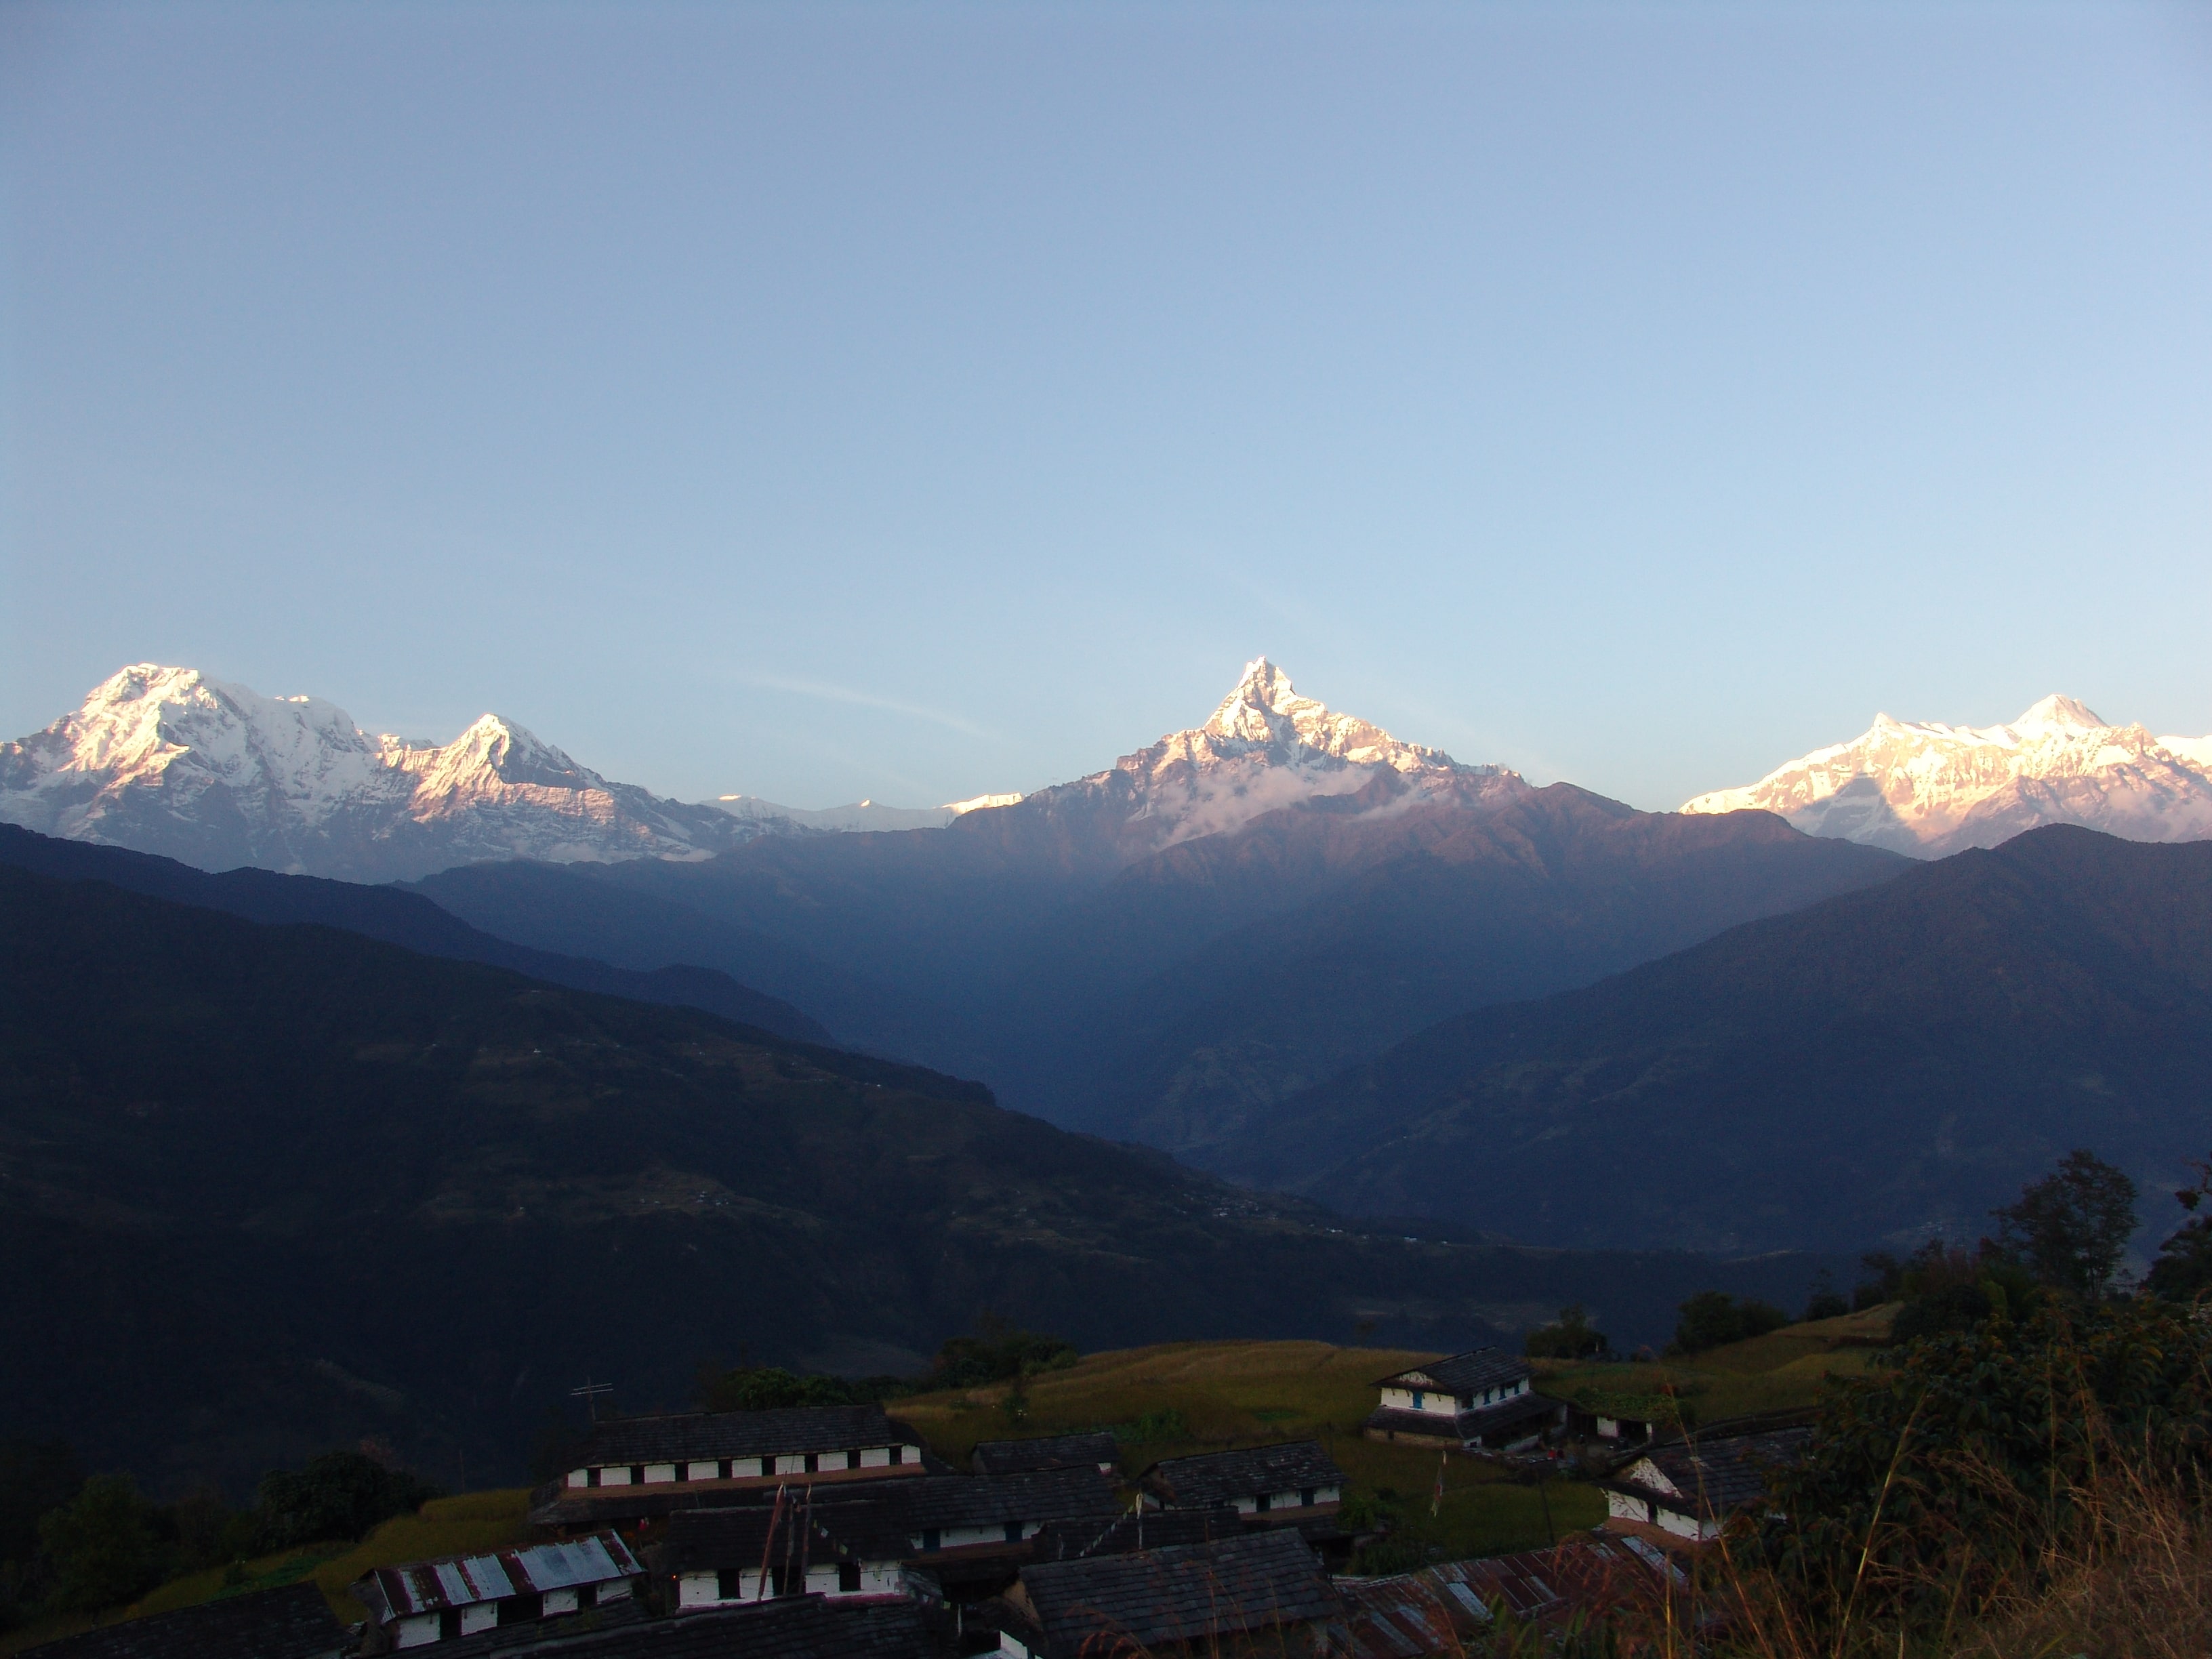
x: 2184, y: 1267
x: 771, y: 1387
x: 999, y: 1350
x: 36, y: 1476
x: 1570, y: 1336
x: 1713, y: 1319
x: 341, y: 1494
x: 101, y: 1547
x: 1825, y: 1302
x: 2070, y: 1228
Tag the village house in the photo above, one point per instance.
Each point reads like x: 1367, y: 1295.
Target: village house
x: 1059, y: 1451
x: 294, y: 1622
x: 1482, y: 1400
x: 950, y: 1519
x: 1139, y: 1529
x: 1264, y: 1590
x: 1276, y: 1485
x: 729, y: 1557
x: 1625, y: 1424
x: 1687, y: 1490
x: 440, y: 1601
x: 640, y: 1469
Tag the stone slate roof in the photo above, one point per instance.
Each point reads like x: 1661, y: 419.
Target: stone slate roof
x: 1464, y: 1425
x: 291, y: 1622
x: 1262, y: 1580
x: 558, y: 1505
x: 990, y: 1500
x: 1713, y: 1476
x: 1215, y: 1480
x: 1467, y: 1373
x: 789, y: 1628
x: 700, y: 1436
x: 700, y: 1540
x: 1075, y: 1540
x: 1059, y: 1451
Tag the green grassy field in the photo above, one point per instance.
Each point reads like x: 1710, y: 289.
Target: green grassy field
x: 1185, y: 1397
x: 1172, y: 1399
x: 1780, y: 1372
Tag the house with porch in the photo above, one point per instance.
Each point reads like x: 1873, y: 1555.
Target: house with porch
x: 725, y: 1558
x: 1294, y: 1484
x: 638, y: 1469
x: 1482, y: 1400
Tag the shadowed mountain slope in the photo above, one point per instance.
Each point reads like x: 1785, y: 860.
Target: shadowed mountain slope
x: 1887, y: 1061
x: 1174, y: 998
x: 396, y: 918
x: 267, y: 1189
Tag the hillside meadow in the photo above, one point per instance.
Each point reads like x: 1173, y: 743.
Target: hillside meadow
x: 1169, y: 1401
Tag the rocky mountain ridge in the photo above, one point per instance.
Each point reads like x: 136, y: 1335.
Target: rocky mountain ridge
x: 1928, y: 789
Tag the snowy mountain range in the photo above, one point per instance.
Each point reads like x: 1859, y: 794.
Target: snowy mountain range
x: 1927, y: 789
x: 166, y: 760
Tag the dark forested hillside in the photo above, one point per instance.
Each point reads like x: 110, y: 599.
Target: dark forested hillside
x: 265, y: 1188
x: 396, y: 918
x: 1173, y: 999
x: 1887, y: 1061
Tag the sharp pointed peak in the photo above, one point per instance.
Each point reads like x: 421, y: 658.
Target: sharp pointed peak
x: 2056, y: 710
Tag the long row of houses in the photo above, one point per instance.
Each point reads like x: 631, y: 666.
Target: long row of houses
x: 834, y: 1532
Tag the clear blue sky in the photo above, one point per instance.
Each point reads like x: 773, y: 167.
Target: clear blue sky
x: 908, y: 401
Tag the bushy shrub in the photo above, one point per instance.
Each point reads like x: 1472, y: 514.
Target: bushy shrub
x: 100, y: 1548
x: 1570, y: 1336
x: 1001, y: 1352
x: 1713, y: 1319
x: 341, y: 1494
x: 1953, y: 1473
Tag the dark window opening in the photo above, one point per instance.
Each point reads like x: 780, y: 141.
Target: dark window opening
x: 520, y: 1609
x: 1265, y: 1500
x: 898, y: 1454
x: 848, y: 1576
x: 929, y: 1538
x: 592, y: 1476
x: 730, y: 1584
x: 851, y: 1460
x: 449, y: 1624
x: 1013, y: 1532
x: 637, y: 1474
x: 724, y: 1468
x: 587, y: 1596
x: 1306, y: 1496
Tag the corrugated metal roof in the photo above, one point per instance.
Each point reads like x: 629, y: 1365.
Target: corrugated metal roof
x: 460, y: 1580
x: 1434, y: 1612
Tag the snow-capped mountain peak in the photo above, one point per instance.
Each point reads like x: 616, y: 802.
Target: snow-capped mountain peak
x: 2053, y: 712
x: 1929, y: 788
x: 1264, y: 748
x: 167, y: 759
x: 1264, y: 708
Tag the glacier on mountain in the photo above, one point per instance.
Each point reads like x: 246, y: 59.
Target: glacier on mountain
x: 1927, y: 788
